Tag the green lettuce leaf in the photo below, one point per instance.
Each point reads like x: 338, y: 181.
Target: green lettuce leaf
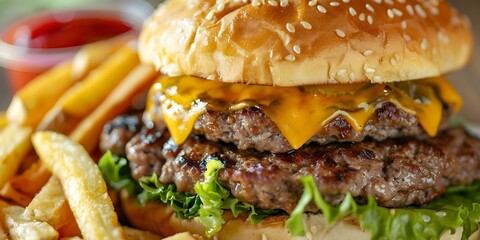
x: 207, y: 206
x: 458, y: 208
x: 116, y: 173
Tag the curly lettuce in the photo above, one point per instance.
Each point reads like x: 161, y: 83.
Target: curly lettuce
x: 459, y: 207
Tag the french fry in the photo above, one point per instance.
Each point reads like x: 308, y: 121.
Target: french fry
x: 82, y: 183
x: 97, y: 86
x: 33, y: 101
x: 48, y: 204
x: 8, y: 192
x: 80, y: 101
x: 56, y: 119
x: 94, y: 54
x: 20, y: 227
x: 3, y: 120
x: 51, y: 206
x: 14, y: 145
x: 31, y: 180
x: 135, y: 234
x: 88, y: 131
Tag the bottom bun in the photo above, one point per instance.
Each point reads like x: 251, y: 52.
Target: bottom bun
x: 160, y: 219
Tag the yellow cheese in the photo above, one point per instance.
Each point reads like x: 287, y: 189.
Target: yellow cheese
x: 299, y: 112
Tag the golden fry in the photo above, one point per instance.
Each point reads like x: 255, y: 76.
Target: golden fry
x: 99, y: 84
x: 48, y: 204
x: 10, y: 193
x: 56, y: 119
x: 31, y: 180
x: 135, y: 234
x: 93, y: 55
x: 33, y: 101
x: 14, y: 145
x: 82, y: 183
x: 79, y: 101
x: 20, y: 227
x: 88, y: 131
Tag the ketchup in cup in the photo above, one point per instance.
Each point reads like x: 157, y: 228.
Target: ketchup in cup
x: 31, y: 46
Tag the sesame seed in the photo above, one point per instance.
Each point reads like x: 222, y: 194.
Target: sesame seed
x: 361, y: 17
x: 377, y: 79
x: 393, y: 61
x: 334, y: 4
x: 368, y: 53
x: 220, y: 7
x: 397, y: 12
x: 352, y: 76
x: 370, y: 19
x: 407, y: 37
x: 434, y: 11
x: 378, y: 1
x: 426, y: 218
x: 420, y: 11
x: 290, y: 27
x: 312, y: 3
x: 264, y: 237
x: 404, y: 24
x: 346, y: 1
x: 369, y: 7
x: 441, y: 214
x: 290, y: 58
x: 370, y: 70
x: 321, y: 9
x: 273, y: 3
x: 410, y: 10
x: 210, y: 15
x: 390, y: 13
x: 306, y: 25
x: 283, y: 3
x: 255, y: 3
x: 352, y: 11
x: 342, y: 72
x: 390, y: 2
x: 340, y: 33
x: 443, y: 38
x: 424, y: 44
x: 297, y: 49
x: 401, y: 1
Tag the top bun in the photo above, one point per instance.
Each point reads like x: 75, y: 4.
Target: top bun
x: 301, y: 42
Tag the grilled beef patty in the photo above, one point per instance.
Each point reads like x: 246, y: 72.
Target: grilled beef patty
x: 396, y: 172
x: 250, y: 128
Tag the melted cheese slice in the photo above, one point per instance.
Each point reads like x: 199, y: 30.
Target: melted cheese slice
x: 299, y: 112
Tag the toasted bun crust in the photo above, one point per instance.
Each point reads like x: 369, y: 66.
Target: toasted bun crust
x: 160, y: 219
x: 300, y: 42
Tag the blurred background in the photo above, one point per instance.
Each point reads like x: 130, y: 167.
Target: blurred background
x: 467, y: 81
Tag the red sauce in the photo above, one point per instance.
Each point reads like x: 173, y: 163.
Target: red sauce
x: 55, y: 31
x: 66, y: 30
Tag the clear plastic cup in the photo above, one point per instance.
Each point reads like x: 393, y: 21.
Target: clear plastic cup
x: 22, y: 63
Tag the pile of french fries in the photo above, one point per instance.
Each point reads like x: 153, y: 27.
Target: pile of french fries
x: 50, y: 186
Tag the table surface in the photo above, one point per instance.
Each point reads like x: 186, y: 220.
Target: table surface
x: 467, y: 81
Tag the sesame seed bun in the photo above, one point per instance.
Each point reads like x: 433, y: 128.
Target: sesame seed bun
x: 160, y: 219
x: 302, y: 42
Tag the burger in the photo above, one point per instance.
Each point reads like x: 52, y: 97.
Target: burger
x: 277, y: 119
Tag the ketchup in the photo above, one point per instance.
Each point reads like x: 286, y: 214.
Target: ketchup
x: 59, y: 32
x: 66, y: 30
